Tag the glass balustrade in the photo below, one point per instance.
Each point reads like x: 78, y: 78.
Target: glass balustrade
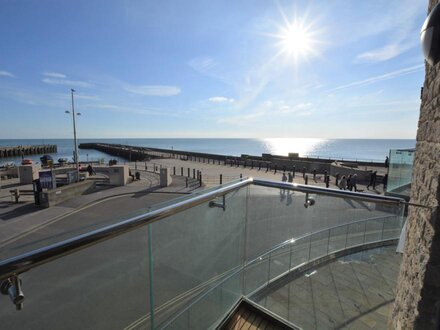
x: 187, y: 270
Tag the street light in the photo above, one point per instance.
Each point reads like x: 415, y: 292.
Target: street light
x: 75, y: 156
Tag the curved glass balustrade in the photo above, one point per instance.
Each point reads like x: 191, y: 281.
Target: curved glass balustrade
x: 185, y: 265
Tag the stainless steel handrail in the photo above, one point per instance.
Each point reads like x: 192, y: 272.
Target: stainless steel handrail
x: 24, y: 262
x: 328, y: 191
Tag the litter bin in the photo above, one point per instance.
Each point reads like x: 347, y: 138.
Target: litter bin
x: 36, y: 187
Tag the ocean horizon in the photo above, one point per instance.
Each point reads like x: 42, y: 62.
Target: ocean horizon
x: 350, y: 149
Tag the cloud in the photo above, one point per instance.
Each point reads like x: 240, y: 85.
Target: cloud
x: 221, y: 99
x: 386, y: 76
x: 298, y: 108
x: 400, y: 36
x: 54, y: 75
x: 6, y: 74
x: 154, y: 90
x: 202, y: 64
x: 66, y: 82
x: 383, y: 54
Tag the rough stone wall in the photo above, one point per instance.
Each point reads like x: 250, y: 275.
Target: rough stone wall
x: 417, y: 304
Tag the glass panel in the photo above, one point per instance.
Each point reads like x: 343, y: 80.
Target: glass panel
x: 105, y: 286
x: 319, y: 244
x: 373, y: 230
x: 355, y: 234
x: 392, y: 227
x: 279, y: 261
x: 193, y: 250
x: 400, y: 172
x: 256, y: 275
x: 300, y: 252
x: 338, y: 237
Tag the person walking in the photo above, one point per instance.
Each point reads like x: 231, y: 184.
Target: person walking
x: 387, y: 162
x: 385, y: 182
x: 373, y: 179
x: 289, y: 177
x: 354, y: 182
x: 349, y: 185
x: 343, y: 183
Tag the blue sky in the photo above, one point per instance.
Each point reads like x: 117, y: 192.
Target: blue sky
x: 211, y: 68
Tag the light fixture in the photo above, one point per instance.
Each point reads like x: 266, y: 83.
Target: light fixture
x: 430, y: 36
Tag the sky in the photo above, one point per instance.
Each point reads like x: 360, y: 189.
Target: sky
x: 211, y: 69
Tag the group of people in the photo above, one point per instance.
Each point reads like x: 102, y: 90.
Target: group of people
x: 348, y: 183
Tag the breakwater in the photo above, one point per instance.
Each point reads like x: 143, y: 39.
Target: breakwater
x: 17, y: 151
x: 266, y: 162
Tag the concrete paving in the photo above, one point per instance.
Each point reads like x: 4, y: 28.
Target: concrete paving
x: 354, y: 292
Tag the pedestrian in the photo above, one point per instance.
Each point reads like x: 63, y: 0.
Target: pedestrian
x: 354, y: 181
x: 327, y: 180
x: 343, y: 183
x: 290, y: 177
x: 385, y: 182
x: 387, y: 162
x: 314, y: 175
x: 284, y: 177
x: 349, y: 185
x: 373, y: 179
x: 337, y: 179
x: 90, y: 170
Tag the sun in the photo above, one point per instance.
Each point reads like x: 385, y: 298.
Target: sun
x: 295, y: 40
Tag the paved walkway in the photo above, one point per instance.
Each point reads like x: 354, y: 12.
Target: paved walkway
x: 354, y: 292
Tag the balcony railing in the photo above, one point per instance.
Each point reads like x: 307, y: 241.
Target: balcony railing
x: 186, y: 264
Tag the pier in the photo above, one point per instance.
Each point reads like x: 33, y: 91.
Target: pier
x: 17, y: 151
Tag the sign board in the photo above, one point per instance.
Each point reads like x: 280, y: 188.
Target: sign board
x: 47, y: 180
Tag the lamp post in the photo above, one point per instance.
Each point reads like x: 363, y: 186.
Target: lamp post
x: 75, y: 156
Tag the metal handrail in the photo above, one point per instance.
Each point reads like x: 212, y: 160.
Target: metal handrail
x: 24, y: 262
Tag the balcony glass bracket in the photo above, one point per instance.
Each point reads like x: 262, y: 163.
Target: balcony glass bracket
x: 221, y: 205
x: 12, y: 287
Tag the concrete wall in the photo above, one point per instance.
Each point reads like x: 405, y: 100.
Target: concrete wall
x: 28, y: 173
x: 58, y: 195
x: 362, y: 175
x: 118, y: 175
x: 417, y: 304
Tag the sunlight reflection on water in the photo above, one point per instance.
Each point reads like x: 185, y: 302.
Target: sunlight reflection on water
x: 303, y: 146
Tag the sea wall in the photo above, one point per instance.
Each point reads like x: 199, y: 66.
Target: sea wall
x: 17, y: 151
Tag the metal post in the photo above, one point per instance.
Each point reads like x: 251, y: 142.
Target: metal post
x: 74, y: 136
x: 189, y: 173
x: 194, y: 173
x: 181, y: 171
x: 221, y: 179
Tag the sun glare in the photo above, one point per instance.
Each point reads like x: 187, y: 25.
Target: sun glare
x: 295, y: 40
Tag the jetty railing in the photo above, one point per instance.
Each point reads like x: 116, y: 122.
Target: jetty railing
x: 186, y: 263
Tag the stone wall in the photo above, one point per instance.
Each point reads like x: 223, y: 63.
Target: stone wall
x: 417, y: 303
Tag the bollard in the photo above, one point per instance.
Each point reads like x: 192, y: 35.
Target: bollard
x: 221, y: 179
x: 174, y: 170
x: 304, y: 172
x: 200, y: 179
x: 252, y: 165
x: 181, y: 171
x: 241, y: 176
x: 314, y: 175
x: 306, y: 179
x: 194, y: 173
x: 189, y: 173
x: 327, y: 181
x: 186, y: 182
x: 293, y: 170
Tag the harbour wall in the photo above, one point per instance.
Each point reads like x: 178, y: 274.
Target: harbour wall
x: 17, y: 151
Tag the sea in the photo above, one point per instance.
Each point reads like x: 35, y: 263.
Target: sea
x: 347, y: 149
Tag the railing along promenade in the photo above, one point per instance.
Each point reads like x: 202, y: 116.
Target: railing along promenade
x: 186, y: 263
x: 17, y: 151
